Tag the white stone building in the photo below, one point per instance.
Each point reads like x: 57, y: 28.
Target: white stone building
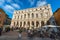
x: 31, y: 17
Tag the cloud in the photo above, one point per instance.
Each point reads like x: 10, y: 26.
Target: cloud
x: 16, y: 6
x: 9, y: 8
x: 1, y: 2
x: 41, y: 3
x: 37, y: 2
x: 32, y: 2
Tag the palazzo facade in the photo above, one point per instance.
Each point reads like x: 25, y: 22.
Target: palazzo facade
x: 31, y: 17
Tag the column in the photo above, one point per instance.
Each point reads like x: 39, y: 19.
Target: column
x: 30, y: 24
x: 26, y: 25
x: 19, y: 23
x: 39, y: 23
x: 26, y: 16
x: 15, y: 23
x: 34, y: 24
x: 44, y: 22
x: 22, y: 23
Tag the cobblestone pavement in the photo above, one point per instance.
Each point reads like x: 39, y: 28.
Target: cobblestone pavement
x: 13, y: 35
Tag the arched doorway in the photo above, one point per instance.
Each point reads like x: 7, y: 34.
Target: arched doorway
x: 33, y: 23
x: 42, y: 23
x: 37, y: 23
x: 28, y: 23
x: 20, y: 24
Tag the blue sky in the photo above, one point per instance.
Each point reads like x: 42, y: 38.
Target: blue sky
x: 10, y: 5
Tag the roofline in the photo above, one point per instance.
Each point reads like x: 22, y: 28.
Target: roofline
x: 56, y: 11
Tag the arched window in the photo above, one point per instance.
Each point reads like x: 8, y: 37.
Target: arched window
x: 20, y: 24
x: 32, y: 23
x: 32, y: 15
x: 37, y: 23
x: 18, y: 17
x: 21, y: 16
x: 36, y: 15
x: 24, y: 15
x: 28, y: 15
x: 42, y: 23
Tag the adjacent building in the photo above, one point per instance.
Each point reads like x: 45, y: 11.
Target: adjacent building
x: 31, y: 17
x: 4, y: 19
x: 57, y: 17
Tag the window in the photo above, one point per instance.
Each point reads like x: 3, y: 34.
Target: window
x: 37, y: 15
x: 32, y: 15
x: 28, y: 15
x: 41, y: 15
x: 18, y: 17
x: 20, y: 24
x: 37, y: 23
x: 32, y: 23
x: 24, y: 23
x: 0, y: 12
x: 40, y: 8
x: 42, y: 23
x: 36, y: 9
x: 24, y: 15
x: 21, y: 16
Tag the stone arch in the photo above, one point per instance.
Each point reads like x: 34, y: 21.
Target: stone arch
x: 36, y: 15
x: 28, y: 15
x: 24, y: 23
x: 32, y: 23
x: 20, y: 24
x: 32, y: 15
x: 37, y: 23
x: 42, y: 23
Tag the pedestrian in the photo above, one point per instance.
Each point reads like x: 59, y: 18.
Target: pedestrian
x: 19, y: 35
